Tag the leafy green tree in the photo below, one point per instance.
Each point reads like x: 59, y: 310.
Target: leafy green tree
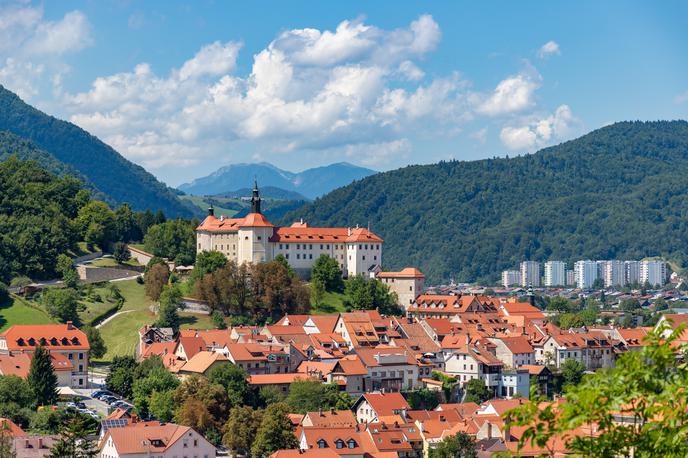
x: 157, y: 380
x: 422, y: 399
x: 172, y: 239
x: 317, y: 292
x: 42, y: 378
x: 61, y: 303
x: 64, y: 264
x: 629, y: 305
x: 312, y: 395
x: 4, y: 293
x: 162, y: 405
x: 126, y: 227
x: 155, y: 280
x: 559, y: 304
x: 570, y: 320
x: 207, y: 262
x: 572, y: 372
x: 275, y: 432
x: 121, y: 252
x: 74, y: 441
x: 369, y: 294
x: 95, y: 341
x: 241, y: 429
x: 477, y: 391
x: 49, y: 421
x: 96, y: 222
x: 326, y: 271
x: 280, y: 259
x: 233, y: 379
x: 270, y: 394
x: 647, y: 385
x: 460, y: 445
x: 120, y: 379
x: 6, y: 442
x: 170, y: 302
x: 71, y: 279
x: 218, y: 320
x: 14, y: 389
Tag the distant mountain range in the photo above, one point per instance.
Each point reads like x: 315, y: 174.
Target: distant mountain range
x: 619, y: 192
x: 64, y: 147
x: 311, y: 183
x: 269, y: 192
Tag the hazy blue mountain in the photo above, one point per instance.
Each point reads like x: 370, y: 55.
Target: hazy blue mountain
x: 105, y: 169
x: 619, y: 192
x: 310, y: 183
x: 269, y: 192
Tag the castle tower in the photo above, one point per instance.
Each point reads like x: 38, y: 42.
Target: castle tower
x: 255, y: 198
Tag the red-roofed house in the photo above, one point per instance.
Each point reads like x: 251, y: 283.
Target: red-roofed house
x: 68, y: 347
x: 514, y: 351
x: 139, y: 440
x: 254, y: 239
x: 370, y: 407
x: 407, y: 283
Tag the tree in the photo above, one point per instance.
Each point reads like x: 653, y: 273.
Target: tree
x: 312, y: 395
x: 172, y: 239
x: 218, y: 320
x: 326, y: 271
x: 120, y: 379
x: 559, y: 304
x: 96, y: 222
x: 212, y: 395
x: 207, y: 262
x: 155, y: 280
x: 170, y: 302
x: 276, y: 292
x: 121, y: 252
x: 275, y: 432
x: 233, y: 379
x: 74, y: 439
x: 572, y: 372
x: 64, y: 264
x: 42, y: 378
x: 95, y: 341
x: 15, y: 390
x: 6, y: 441
x: 270, y: 394
x: 241, y: 429
x: 370, y: 294
x: 162, y: 405
x: 61, y: 303
x: 460, y: 445
x: 422, y: 399
x: 157, y: 380
x: 629, y: 304
x: 226, y: 289
x: 126, y: 227
x: 477, y: 391
x: 317, y: 291
x: 646, y: 385
x: 570, y: 320
x: 194, y: 413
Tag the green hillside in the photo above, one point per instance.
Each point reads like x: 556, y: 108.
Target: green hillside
x: 105, y: 168
x: 617, y: 192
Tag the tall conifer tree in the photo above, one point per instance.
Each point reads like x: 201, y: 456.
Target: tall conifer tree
x: 42, y: 378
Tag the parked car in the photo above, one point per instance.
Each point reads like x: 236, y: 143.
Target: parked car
x: 81, y: 405
x: 100, y: 393
x: 109, y: 399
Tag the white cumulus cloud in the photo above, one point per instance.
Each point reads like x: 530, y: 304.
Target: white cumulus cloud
x: 538, y: 132
x: 512, y: 94
x: 551, y: 48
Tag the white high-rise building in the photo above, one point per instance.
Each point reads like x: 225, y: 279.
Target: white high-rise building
x: 511, y: 278
x: 586, y: 274
x: 530, y: 273
x: 632, y: 272
x: 555, y: 273
x: 653, y: 272
x: 614, y: 274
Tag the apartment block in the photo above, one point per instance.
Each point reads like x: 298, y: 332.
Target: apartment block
x: 653, y: 272
x: 555, y: 273
x: 530, y: 273
x: 511, y: 278
x: 586, y: 273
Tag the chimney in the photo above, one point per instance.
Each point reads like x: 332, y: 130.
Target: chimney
x: 70, y: 326
x: 348, y: 229
x: 26, y: 443
x: 222, y: 217
x: 211, y: 210
x: 507, y: 429
x: 40, y: 442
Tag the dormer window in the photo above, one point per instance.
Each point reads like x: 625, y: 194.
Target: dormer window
x: 65, y: 341
x: 43, y: 341
x: 53, y: 341
x: 339, y: 443
x: 75, y: 341
x: 21, y: 342
x: 322, y: 443
x: 32, y: 341
x: 351, y: 443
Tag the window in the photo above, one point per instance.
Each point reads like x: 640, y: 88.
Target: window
x: 363, y: 257
x: 322, y: 444
x: 339, y: 443
x: 351, y: 443
x: 321, y: 246
x: 298, y: 246
x: 259, y: 237
x: 310, y: 256
x: 287, y: 256
x: 298, y: 256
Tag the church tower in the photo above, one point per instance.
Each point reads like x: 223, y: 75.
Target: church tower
x: 255, y: 199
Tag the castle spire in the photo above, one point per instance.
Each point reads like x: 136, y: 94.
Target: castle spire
x: 255, y: 199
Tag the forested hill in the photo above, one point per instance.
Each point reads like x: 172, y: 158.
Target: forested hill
x: 118, y: 178
x: 619, y: 192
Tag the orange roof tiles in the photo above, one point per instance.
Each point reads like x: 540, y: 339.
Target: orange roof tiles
x: 309, y: 453
x: 517, y: 344
x: 361, y: 444
x: 408, y: 272
x: 330, y: 419
x: 385, y: 404
x: 350, y: 365
x: 374, y: 357
x: 192, y: 345
x: 145, y: 438
x: 202, y: 361
x: 323, y: 234
x: 51, y: 336
x: 9, y: 426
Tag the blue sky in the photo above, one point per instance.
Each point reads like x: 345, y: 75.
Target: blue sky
x: 185, y: 87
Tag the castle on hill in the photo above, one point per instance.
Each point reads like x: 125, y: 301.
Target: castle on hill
x: 254, y: 239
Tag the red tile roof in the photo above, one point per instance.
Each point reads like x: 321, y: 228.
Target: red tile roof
x: 192, y: 345
x: 408, y: 272
x: 323, y: 234
x: 145, y: 438
x: 331, y: 419
x: 276, y: 379
x: 350, y: 365
x: 517, y: 344
x: 310, y: 453
x: 12, y: 428
x: 22, y: 337
x: 385, y: 404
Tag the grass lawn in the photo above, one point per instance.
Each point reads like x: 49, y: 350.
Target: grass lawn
x: 332, y: 303
x: 138, y: 246
x: 110, y: 262
x: 16, y: 311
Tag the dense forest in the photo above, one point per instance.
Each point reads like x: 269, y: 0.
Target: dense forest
x: 104, y: 167
x: 618, y: 192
